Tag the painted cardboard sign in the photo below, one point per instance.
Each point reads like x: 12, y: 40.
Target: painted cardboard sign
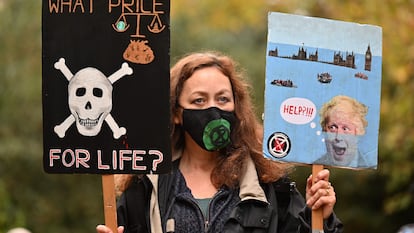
x: 105, y: 86
x: 322, y: 91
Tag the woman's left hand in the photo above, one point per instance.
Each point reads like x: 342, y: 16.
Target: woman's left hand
x: 320, y: 193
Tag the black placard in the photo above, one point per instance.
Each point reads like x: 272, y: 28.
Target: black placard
x: 106, y: 86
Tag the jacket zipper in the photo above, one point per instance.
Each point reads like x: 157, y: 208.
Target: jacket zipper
x: 201, y: 212
x: 207, y: 220
x: 206, y: 226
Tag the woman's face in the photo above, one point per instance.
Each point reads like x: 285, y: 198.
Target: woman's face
x: 206, y: 88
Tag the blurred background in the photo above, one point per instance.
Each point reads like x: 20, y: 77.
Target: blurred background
x: 367, y: 201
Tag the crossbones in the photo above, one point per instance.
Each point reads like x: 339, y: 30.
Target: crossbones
x: 90, y: 100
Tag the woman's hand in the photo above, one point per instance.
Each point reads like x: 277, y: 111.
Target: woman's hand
x: 105, y: 229
x: 320, y: 193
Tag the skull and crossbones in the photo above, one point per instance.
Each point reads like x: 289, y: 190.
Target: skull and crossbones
x: 90, y: 100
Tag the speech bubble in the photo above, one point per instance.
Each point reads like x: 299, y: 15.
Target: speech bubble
x: 298, y: 110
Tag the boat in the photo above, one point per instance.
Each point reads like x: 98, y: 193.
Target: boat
x: 324, y: 77
x: 283, y: 83
x: 361, y: 75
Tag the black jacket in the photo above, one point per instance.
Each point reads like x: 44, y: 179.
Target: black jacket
x: 285, y: 212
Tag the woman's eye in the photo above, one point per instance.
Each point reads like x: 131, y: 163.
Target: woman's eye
x: 198, y: 101
x: 224, y: 99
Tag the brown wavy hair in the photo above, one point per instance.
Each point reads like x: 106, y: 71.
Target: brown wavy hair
x: 247, y: 133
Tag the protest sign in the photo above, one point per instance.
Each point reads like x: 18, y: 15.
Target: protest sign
x: 322, y: 91
x: 106, y: 86
x: 322, y: 94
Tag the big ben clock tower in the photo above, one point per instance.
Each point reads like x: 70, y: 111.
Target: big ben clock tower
x: 368, y: 58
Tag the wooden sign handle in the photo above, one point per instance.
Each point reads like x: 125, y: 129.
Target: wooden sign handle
x: 109, y: 201
x: 317, y: 215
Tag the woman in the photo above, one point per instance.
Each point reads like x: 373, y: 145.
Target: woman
x: 220, y: 181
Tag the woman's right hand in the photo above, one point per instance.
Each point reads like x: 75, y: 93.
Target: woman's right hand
x: 105, y: 229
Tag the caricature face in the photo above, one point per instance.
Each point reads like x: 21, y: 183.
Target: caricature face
x: 342, y: 148
x: 341, y: 137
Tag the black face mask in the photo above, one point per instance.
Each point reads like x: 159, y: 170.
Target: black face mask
x: 210, y: 127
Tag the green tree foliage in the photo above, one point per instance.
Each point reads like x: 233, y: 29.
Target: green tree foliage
x: 368, y: 201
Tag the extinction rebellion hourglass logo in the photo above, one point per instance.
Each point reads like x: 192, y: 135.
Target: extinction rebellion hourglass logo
x: 278, y: 145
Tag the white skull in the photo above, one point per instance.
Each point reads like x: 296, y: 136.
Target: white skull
x: 90, y: 100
